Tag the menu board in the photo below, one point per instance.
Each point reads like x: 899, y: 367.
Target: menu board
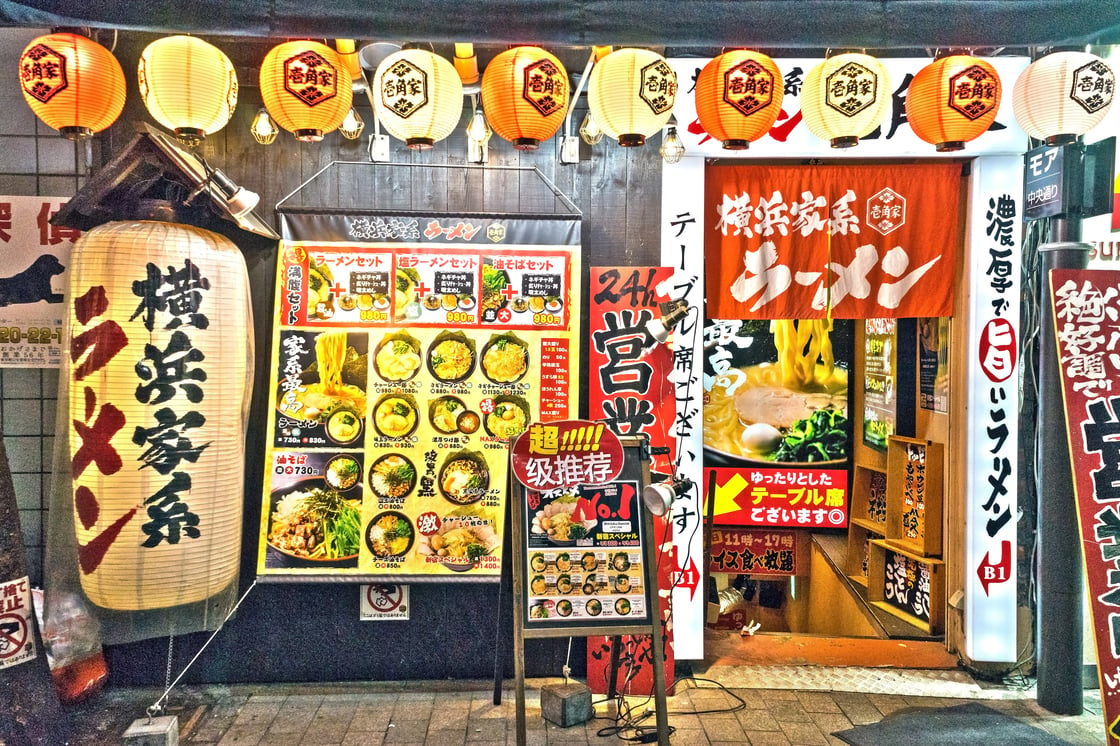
x: 400, y: 374
x: 880, y: 341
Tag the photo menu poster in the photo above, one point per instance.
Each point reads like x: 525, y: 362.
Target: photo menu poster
x: 880, y: 343
x: 400, y: 374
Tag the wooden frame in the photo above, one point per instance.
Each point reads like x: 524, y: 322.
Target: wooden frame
x: 915, y: 479
x: 886, y: 559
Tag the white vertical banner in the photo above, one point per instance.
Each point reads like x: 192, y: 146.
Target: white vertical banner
x: 682, y: 248
x: 994, y: 250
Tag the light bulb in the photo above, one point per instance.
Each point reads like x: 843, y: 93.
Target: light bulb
x: 590, y: 131
x: 672, y: 149
x: 352, y: 126
x: 263, y: 128
x: 479, y: 130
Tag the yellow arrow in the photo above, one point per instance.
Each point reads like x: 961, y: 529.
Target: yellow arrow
x: 726, y: 494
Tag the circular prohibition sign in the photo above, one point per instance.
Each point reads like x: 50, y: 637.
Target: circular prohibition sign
x: 385, y: 597
x: 13, y: 635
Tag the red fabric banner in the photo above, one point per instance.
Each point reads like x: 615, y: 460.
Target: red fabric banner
x: 853, y: 242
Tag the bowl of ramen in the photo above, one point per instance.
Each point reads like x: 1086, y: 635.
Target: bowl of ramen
x: 538, y: 586
x: 451, y: 357
x: 397, y: 357
x: 621, y: 583
x: 589, y: 562
x: 537, y: 562
x: 494, y: 284
x: 433, y: 301
x: 344, y: 426
x: 335, y: 381
x: 461, y: 542
x: 593, y: 607
x: 564, y: 607
x: 394, y: 415
x: 509, y: 418
x: 467, y: 422
x: 313, y: 522
x: 622, y: 606
x: 389, y: 534
x: 443, y: 413
x: 519, y: 304
x: 343, y: 472
x: 556, y: 520
x: 404, y: 291
x: 783, y: 403
x: 620, y: 562
x: 505, y: 358
x: 564, y: 583
x: 563, y: 562
x: 392, y: 477
x: 348, y: 302
x: 542, y: 610
x: 590, y: 588
x: 464, y: 478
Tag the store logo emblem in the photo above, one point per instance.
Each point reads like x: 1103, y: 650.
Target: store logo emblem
x: 886, y: 211
x: 496, y: 232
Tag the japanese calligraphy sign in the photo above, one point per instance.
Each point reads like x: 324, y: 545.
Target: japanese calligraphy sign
x: 1087, y: 329
x: 794, y: 498
x: 788, y: 242
x: 17, y: 638
x: 880, y: 381
x: 408, y: 354
x: 35, y: 255
x: 562, y: 454
x: 158, y: 375
x: 991, y: 501
x: 760, y: 552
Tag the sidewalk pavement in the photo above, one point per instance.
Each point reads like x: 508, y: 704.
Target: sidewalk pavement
x: 462, y: 713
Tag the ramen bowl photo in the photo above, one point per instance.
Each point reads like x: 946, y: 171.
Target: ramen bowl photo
x: 451, y: 357
x: 505, y: 358
x: 509, y: 418
x: 397, y: 357
x: 394, y: 415
x: 464, y: 478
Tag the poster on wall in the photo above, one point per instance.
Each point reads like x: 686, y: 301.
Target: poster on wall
x: 933, y: 364
x: 34, y: 256
x: 879, y: 384
x: 1085, y: 304
x: 403, y: 365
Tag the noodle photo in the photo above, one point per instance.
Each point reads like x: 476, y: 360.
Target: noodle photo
x: 331, y: 384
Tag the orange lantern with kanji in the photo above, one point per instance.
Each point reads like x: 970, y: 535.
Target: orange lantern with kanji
x: 72, y: 83
x: 738, y: 97
x: 953, y: 100
x: 525, y: 95
x: 306, y: 88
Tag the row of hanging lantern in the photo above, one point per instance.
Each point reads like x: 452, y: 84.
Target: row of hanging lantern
x: 189, y: 86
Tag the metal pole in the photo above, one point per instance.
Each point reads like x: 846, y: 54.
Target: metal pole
x: 1060, y: 565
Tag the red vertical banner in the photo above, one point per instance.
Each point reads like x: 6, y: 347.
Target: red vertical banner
x: 629, y: 390
x: 1087, y: 329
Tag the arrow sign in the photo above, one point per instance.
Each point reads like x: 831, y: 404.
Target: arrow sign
x: 688, y: 577
x: 995, y: 573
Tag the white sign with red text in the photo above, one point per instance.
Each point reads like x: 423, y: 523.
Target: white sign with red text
x: 17, y: 638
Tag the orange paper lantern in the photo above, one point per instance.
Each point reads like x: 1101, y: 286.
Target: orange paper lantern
x: 525, y: 95
x: 953, y: 100
x: 72, y: 83
x: 188, y: 85
x: 306, y: 88
x: 738, y: 97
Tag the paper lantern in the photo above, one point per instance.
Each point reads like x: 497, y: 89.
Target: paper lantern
x: 631, y: 93
x: 158, y: 377
x: 306, y: 88
x: 525, y: 95
x: 1062, y: 96
x: 72, y: 83
x: 953, y: 100
x: 417, y: 97
x: 738, y: 97
x: 188, y: 85
x: 845, y: 98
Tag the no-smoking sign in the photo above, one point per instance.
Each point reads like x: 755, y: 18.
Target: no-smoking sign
x: 380, y: 601
x: 16, y: 645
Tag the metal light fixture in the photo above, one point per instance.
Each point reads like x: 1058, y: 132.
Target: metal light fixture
x: 672, y: 313
x: 352, y: 125
x: 590, y: 131
x: 263, y: 128
x: 659, y: 497
x: 478, y: 137
x: 672, y: 149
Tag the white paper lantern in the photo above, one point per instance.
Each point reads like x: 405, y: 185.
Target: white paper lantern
x: 1062, y: 96
x: 417, y: 97
x: 188, y: 85
x: 160, y: 332
x: 845, y: 98
x: 631, y: 93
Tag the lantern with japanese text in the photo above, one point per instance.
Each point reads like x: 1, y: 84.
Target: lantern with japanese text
x: 417, y: 97
x: 631, y: 93
x: 306, y: 88
x: 72, y: 83
x: 845, y: 98
x: 188, y: 85
x: 525, y: 95
x: 953, y: 100
x: 738, y: 97
x: 1062, y: 96
x: 159, y: 376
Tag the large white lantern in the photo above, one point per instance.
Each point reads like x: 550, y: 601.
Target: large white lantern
x: 845, y: 98
x: 417, y: 97
x: 1062, y: 96
x: 631, y: 93
x: 158, y: 378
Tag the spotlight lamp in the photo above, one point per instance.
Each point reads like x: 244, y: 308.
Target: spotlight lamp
x: 263, y: 128
x: 658, y: 498
x: 672, y: 313
x: 672, y: 149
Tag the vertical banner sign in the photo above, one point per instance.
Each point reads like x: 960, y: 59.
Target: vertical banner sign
x: 629, y: 390
x: 34, y: 256
x: 17, y: 637
x: 994, y: 247
x: 879, y: 400
x: 408, y: 353
x: 1087, y: 329
x: 682, y: 248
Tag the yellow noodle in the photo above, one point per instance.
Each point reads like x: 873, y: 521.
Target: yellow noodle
x: 330, y: 353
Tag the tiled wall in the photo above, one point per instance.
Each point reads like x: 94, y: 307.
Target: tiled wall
x: 34, y: 161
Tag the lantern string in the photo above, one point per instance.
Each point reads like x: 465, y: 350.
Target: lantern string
x: 157, y: 706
